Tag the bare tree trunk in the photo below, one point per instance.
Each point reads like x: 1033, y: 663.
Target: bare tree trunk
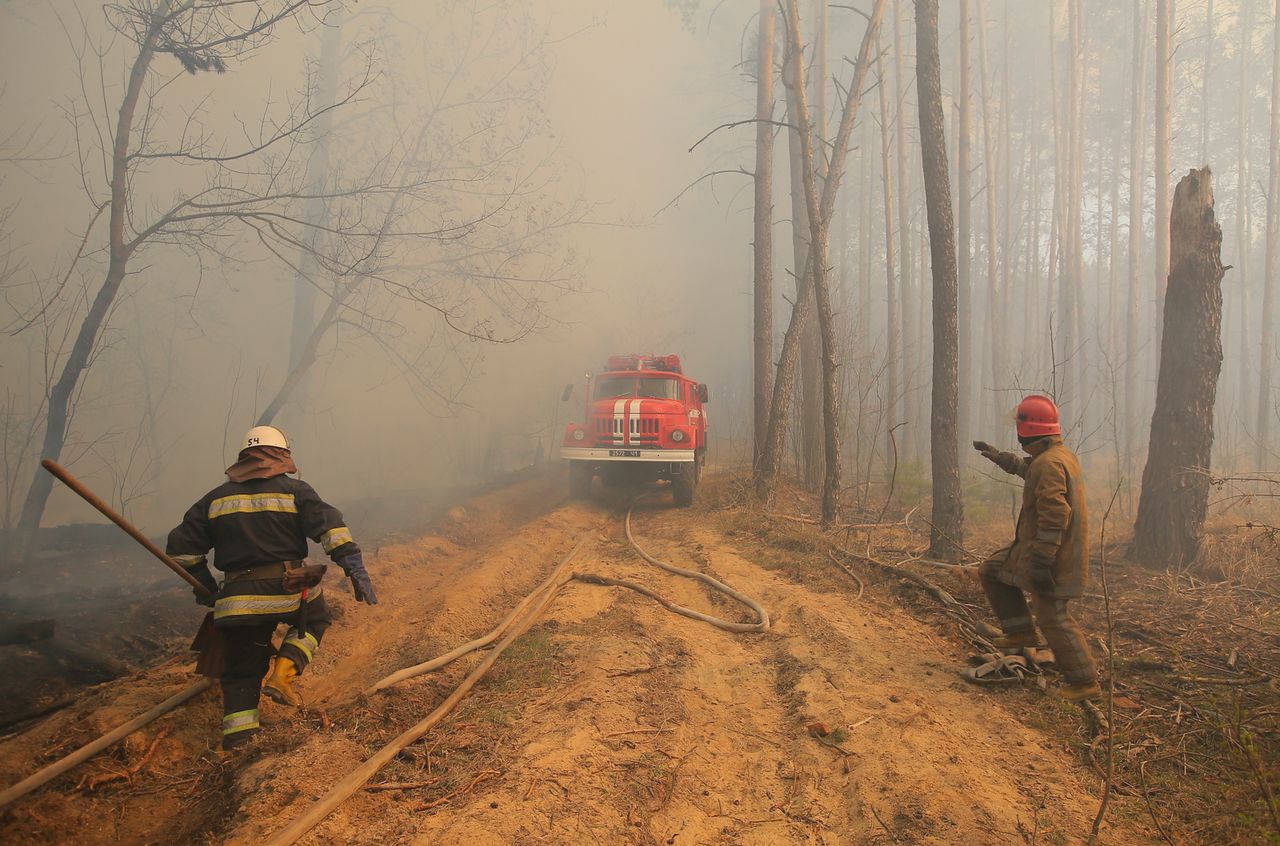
x: 1058, y: 222
x: 1072, y: 244
x: 763, y: 238
x: 1204, y: 82
x: 800, y: 247
x: 891, y: 288
x: 993, y: 326
x: 1244, y: 233
x: 819, y: 220
x: 1137, y: 169
x: 779, y: 408
x: 119, y: 252
x: 301, y: 366
x: 1164, y: 70
x: 1175, y: 483
x: 947, y: 534
x: 811, y: 430
x: 1266, y: 411
x: 964, y: 219
x: 906, y: 275
x: 1113, y: 266
x: 864, y: 252
x: 306, y: 284
x: 1030, y: 319
x: 1000, y: 350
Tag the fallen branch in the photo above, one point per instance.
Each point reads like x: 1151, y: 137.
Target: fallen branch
x: 848, y: 571
x: 1227, y: 681
x: 840, y: 527
x: 401, y: 785
x: 92, y: 782
x: 462, y: 791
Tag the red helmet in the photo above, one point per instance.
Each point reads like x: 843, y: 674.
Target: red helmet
x: 1037, y: 417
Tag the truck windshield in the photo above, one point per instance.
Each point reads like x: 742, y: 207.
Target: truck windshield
x: 612, y: 387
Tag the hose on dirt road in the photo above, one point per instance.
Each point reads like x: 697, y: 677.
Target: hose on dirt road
x: 521, y: 618
x: 480, y: 642
x: 762, y: 616
x: 356, y: 779
x: 516, y: 623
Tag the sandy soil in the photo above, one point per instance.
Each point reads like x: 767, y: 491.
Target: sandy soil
x: 612, y: 721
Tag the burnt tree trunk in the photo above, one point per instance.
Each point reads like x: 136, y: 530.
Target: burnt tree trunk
x: 763, y: 245
x: 947, y: 533
x: 1175, y: 483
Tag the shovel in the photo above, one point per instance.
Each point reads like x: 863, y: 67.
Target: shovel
x: 210, y: 660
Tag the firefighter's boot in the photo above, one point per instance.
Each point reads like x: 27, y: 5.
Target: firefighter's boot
x: 1017, y: 641
x: 279, y: 685
x: 1086, y: 691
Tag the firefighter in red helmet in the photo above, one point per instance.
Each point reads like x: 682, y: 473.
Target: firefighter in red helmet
x: 1048, y: 561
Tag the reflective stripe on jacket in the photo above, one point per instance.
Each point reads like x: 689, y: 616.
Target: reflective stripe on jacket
x: 260, y: 521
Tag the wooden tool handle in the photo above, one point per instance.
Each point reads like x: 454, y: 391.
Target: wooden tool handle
x: 90, y: 497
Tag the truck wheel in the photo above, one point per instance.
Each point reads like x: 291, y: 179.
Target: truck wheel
x: 683, y: 485
x: 579, y: 480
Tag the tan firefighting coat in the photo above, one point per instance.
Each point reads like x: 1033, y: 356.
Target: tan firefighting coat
x: 1053, y: 522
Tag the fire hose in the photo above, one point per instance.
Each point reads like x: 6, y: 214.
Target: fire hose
x: 532, y: 606
x: 519, y: 620
x: 761, y: 624
x: 84, y: 753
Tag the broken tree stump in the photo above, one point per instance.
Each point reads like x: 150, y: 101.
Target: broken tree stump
x: 1175, y: 481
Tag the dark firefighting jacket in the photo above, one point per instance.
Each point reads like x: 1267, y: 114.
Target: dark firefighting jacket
x: 249, y: 524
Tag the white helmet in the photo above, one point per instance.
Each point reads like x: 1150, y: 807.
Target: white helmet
x: 265, y: 436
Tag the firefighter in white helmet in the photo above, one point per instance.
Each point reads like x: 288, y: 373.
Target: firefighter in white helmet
x: 257, y: 523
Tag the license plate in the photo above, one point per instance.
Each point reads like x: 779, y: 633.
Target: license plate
x: 624, y: 453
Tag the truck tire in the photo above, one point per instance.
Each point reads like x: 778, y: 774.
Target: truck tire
x: 579, y: 480
x: 684, y: 484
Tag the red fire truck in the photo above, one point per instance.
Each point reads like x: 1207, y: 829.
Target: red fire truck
x: 645, y: 421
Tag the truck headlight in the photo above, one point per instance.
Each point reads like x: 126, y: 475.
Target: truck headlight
x: 578, y: 434
x: 677, y: 435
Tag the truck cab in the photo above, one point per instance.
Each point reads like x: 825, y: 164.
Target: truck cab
x: 644, y: 421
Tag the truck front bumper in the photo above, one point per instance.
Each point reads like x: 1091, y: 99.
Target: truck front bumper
x: 675, y: 456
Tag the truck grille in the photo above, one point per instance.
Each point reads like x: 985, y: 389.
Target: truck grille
x: 641, y: 429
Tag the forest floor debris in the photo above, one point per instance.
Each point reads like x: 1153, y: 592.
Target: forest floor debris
x: 614, y: 721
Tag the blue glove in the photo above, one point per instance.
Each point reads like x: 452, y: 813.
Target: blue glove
x: 353, y: 566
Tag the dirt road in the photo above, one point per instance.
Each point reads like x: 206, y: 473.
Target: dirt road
x: 612, y: 721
